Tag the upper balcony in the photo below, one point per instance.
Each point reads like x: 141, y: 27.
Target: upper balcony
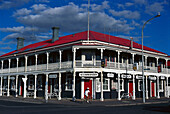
x: 84, y: 58
x: 40, y: 67
x: 116, y: 65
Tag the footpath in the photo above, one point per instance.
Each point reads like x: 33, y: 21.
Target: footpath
x: 77, y: 102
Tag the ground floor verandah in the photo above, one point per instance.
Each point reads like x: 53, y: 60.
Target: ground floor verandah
x: 103, y: 84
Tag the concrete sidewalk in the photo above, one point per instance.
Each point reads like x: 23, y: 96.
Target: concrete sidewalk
x: 106, y: 102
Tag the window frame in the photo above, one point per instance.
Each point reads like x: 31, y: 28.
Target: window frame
x: 31, y: 79
x: 161, y: 85
x: 39, y: 83
x: 70, y: 84
x: 121, y: 84
x: 108, y: 84
x: 114, y: 85
x: 12, y: 85
x: 140, y: 85
x: 98, y: 85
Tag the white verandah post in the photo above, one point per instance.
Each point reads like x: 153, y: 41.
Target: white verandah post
x: 119, y: 86
x: 16, y: 86
x: 35, y: 86
x: 134, y: 96
x: 8, y: 86
x: 1, y: 86
x: 59, y: 94
x: 46, y: 88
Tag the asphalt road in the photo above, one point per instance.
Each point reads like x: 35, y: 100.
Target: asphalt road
x: 9, y: 107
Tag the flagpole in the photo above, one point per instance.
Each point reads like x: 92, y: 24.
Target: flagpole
x: 88, y: 20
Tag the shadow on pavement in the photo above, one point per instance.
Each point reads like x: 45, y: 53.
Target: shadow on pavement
x: 159, y: 108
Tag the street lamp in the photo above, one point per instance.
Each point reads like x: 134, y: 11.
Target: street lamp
x: 158, y: 15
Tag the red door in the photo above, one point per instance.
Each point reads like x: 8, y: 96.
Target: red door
x: 88, y: 83
x: 131, y: 88
x: 153, y: 89
x: 49, y: 85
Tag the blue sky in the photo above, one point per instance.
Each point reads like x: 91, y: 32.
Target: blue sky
x: 33, y: 19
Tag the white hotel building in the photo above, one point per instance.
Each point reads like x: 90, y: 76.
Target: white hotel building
x: 64, y: 67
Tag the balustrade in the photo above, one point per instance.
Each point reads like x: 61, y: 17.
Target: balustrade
x: 81, y: 64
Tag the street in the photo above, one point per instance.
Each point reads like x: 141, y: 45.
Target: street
x: 9, y: 107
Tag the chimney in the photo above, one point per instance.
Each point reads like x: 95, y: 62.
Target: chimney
x: 20, y: 43
x: 55, y: 34
x: 131, y: 42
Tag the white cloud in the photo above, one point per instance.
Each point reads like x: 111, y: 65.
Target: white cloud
x: 96, y: 7
x: 104, y: 5
x: 22, y: 12
x: 140, y: 2
x: 155, y: 7
x: 128, y: 4
x: 126, y: 13
x: 11, y: 36
x: 6, y: 4
x: 70, y: 18
x: 13, y: 29
x: 133, y: 23
x: 44, y: 1
x: 39, y: 7
x: 120, y: 6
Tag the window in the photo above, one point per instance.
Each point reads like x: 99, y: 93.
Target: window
x: 121, y: 85
x: 56, y: 86
x: 68, y: 84
x: 161, y: 85
x: 12, y: 84
x: 5, y: 85
x: 31, y: 83
x: 98, y: 88
x: 114, y: 85
x: 168, y: 81
x: 39, y: 83
x: 106, y: 84
x: 140, y: 84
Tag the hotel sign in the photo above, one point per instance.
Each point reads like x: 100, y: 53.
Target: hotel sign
x: 126, y: 76
x: 162, y: 77
x: 110, y: 75
x: 88, y: 74
x: 12, y: 78
x: 152, y: 78
x: 53, y: 76
x: 139, y: 77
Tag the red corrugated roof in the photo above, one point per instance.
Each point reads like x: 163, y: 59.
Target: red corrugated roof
x: 82, y: 36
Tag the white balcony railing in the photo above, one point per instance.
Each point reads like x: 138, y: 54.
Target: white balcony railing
x: 41, y: 67
x: 83, y: 64
x: 114, y: 65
